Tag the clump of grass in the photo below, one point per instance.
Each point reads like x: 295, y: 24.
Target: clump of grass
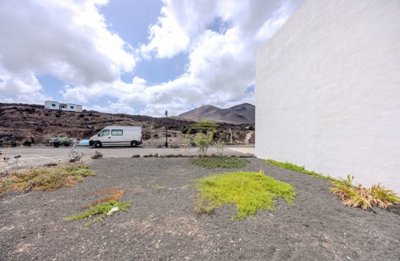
x: 97, y: 155
x: 301, y: 169
x: 220, y: 162
x: 248, y: 191
x: 45, y: 178
x: 101, y: 210
x: 362, y: 197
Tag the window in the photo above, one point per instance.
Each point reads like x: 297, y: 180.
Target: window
x: 105, y: 133
x: 53, y: 105
x: 71, y: 107
x: 117, y: 132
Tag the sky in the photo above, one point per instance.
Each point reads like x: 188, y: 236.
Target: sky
x: 135, y: 56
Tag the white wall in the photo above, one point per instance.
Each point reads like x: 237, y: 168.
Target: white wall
x: 328, y: 90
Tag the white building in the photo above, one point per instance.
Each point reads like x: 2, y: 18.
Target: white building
x: 328, y: 90
x: 62, y: 106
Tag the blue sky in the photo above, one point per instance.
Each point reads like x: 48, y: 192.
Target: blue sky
x: 135, y: 56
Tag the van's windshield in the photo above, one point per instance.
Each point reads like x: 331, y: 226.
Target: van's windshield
x: 104, y: 133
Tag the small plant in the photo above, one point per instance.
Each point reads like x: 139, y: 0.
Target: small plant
x: 220, y: 162
x: 101, y: 210
x: 204, y: 135
x: 365, y: 198
x: 49, y: 178
x: 248, y: 191
x: 203, y: 141
x: 220, y: 147
x: 97, y: 155
x: 301, y: 169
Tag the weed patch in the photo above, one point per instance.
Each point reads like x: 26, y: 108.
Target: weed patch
x: 101, y: 210
x: 365, y: 198
x: 46, y: 178
x: 220, y: 162
x: 248, y: 191
x: 301, y: 169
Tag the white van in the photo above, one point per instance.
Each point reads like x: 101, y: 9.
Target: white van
x: 117, y: 136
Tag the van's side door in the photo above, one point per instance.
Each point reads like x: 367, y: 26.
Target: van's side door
x: 117, y: 137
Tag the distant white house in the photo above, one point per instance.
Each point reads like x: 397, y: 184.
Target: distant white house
x: 54, y: 105
x: 328, y: 90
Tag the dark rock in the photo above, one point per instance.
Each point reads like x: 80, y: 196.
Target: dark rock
x: 27, y: 143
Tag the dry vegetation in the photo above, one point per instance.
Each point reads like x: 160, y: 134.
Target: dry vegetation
x: 365, y: 198
x: 45, y: 178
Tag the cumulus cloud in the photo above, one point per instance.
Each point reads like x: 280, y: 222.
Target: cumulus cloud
x: 220, y: 38
x: 66, y: 39
x: 70, y: 40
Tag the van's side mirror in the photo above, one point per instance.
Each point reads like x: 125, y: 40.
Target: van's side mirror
x: 98, y: 135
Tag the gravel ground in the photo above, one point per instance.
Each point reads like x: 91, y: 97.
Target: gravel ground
x: 161, y: 224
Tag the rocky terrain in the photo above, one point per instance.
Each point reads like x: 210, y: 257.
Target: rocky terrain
x: 239, y: 114
x: 20, y: 122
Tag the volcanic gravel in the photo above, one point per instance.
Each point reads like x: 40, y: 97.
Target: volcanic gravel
x: 162, y: 225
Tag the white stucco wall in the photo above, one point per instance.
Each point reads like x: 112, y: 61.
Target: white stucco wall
x: 328, y: 90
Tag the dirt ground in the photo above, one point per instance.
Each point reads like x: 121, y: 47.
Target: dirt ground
x: 161, y: 224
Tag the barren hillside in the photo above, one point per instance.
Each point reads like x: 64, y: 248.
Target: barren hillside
x: 19, y: 122
x: 239, y: 114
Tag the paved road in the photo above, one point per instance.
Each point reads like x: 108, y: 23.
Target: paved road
x: 40, y: 155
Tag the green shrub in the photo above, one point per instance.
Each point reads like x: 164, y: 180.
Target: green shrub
x: 248, y: 191
x: 203, y: 141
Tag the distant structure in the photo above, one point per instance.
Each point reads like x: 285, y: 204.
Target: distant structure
x: 54, y: 105
x: 328, y: 91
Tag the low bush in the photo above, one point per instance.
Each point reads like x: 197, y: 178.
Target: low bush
x: 220, y: 162
x: 248, y: 191
x: 45, y: 178
x: 365, y: 198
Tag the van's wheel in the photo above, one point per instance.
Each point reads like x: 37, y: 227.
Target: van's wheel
x: 97, y: 144
x: 133, y: 143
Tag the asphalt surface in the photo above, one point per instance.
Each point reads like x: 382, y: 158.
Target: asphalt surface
x: 41, y: 155
x: 162, y: 225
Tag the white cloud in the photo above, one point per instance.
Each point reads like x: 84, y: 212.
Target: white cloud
x: 70, y: 39
x: 221, y: 64
x: 22, y: 88
x: 67, y: 39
